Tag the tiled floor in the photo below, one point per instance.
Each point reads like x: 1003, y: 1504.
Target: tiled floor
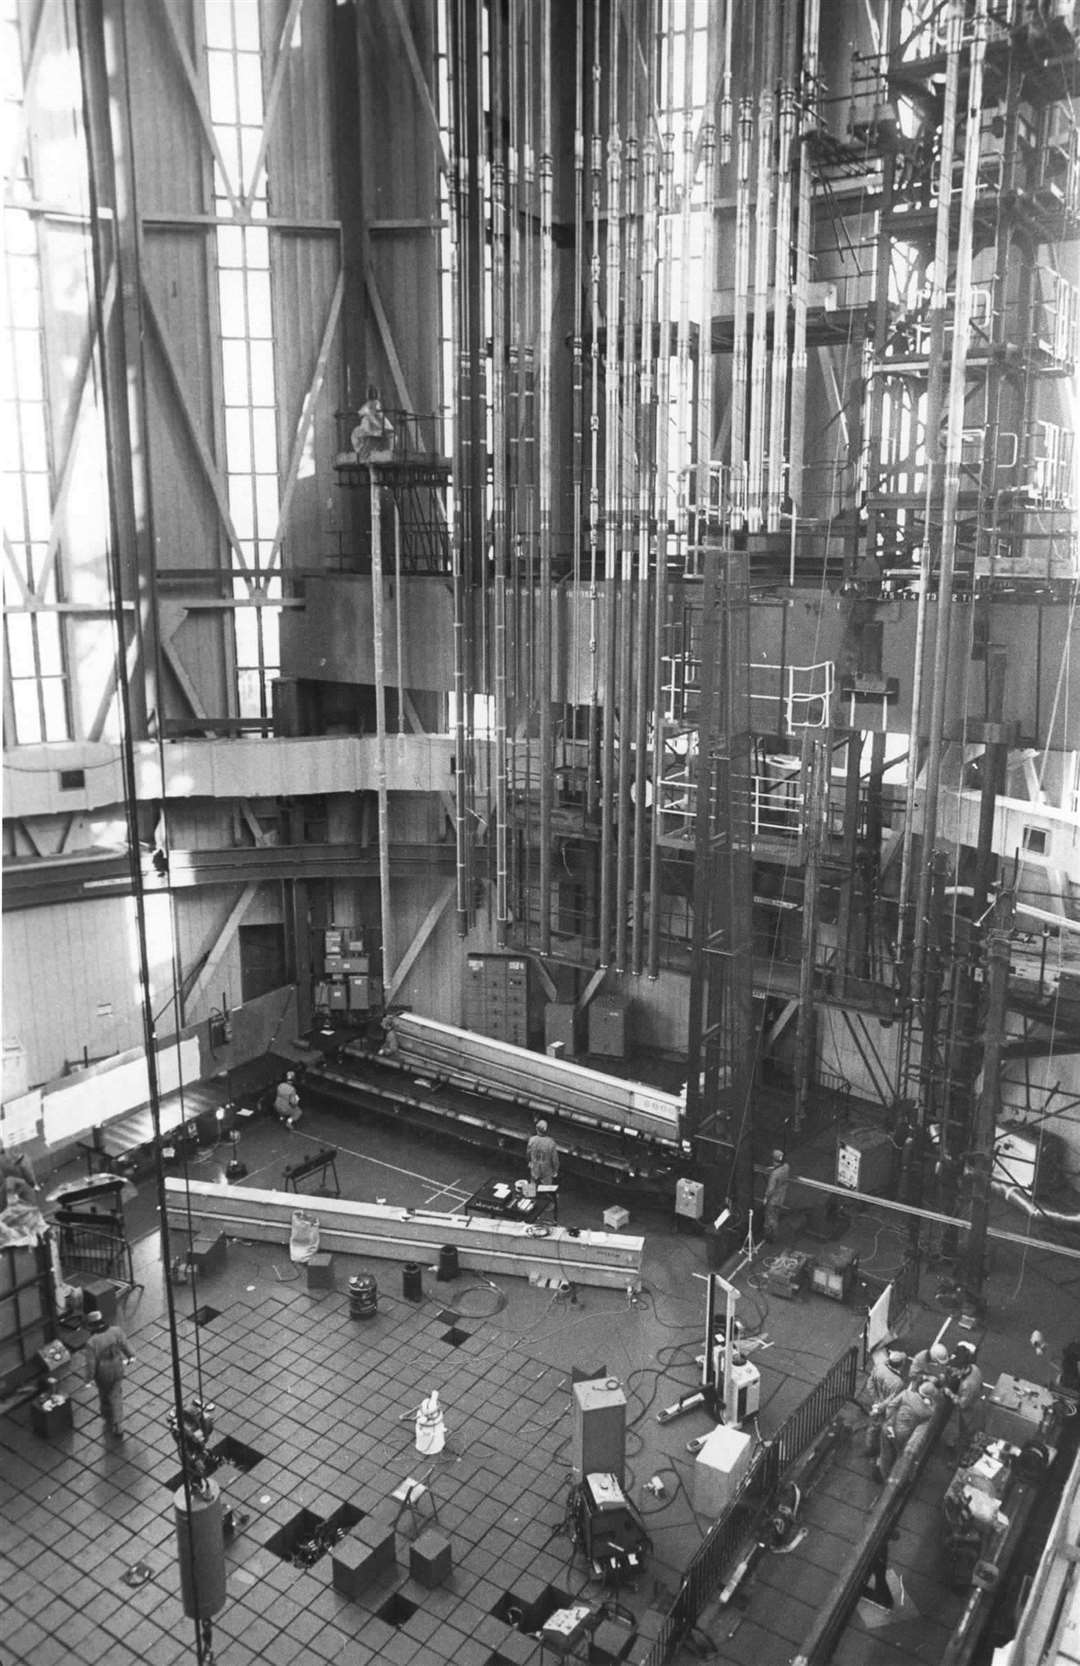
x: 327, y: 1402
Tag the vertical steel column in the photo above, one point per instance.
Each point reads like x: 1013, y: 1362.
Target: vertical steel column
x: 988, y: 1111
x: 816, y: 767
x: 117, y: 253
x: 721, y: 1031
x: 848, y: 850
x: 103, y: 68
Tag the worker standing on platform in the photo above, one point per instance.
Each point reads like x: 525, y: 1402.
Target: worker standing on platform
x: 904, y: 1413
x: 775, y: 1192
x: 107, y: 1358
x: 543, y: 1157
x: 287, y: 1101
x: 963, y: 1386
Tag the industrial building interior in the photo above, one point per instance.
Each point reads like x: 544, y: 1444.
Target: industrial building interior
x: 541, y: 571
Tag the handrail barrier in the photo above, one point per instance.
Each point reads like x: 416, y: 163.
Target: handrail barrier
x: 97, y: 1250
x: 712, y: 1561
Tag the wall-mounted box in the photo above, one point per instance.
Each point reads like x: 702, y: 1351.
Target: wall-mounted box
x: 690, y: 1199
x: 607, y: 1026
x: 864, y: 1160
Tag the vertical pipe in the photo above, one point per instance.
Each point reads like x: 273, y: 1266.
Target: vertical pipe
x: 577, y: 373
x: 596, y: 174
x: 612, y: 451
x: 934, y: 400
x: 377, y: 621
x: 626, y: 823
x: 727, y: 108
x: 516, y: 696
x: 953, y: 445
x: 739, y: 498
x: 706, y: 376
x: 797, y: 432
x: 775, y: 461
x: 545, y: 691
x: 663, y: 600
x: 456, y: 191
x: 683, y: 372
x: 399, y: 628
x: 643, y: 823
x: 759, y: 352
x: 499, y: 449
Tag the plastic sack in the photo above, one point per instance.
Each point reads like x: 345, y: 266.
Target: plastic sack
x: 304, y: 1238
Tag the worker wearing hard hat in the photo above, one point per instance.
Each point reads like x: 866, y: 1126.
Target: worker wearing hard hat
x: 930, y: 1362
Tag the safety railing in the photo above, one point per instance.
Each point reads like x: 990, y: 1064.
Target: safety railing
x: 95, y: 1250
x: 712, y: 1562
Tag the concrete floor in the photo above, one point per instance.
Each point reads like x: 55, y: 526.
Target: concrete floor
x: 326, y: 1402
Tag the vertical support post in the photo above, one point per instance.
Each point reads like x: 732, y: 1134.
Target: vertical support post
x: 816, y: 775
x: 377, y: 621
x: 720, y: 1040
x: 988, y: 1111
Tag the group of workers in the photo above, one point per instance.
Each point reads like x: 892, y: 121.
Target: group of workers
x: 905, y: 1393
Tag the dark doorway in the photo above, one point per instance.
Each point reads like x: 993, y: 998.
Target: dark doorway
x: 262, y: 960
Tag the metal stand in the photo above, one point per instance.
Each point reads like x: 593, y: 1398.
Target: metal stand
x: 708, y: 1394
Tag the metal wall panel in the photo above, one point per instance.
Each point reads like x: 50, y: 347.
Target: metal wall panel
x: 70, y: 981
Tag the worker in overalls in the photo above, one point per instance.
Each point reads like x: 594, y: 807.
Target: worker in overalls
x: 107, y: 1357
x: 886, y: 1379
